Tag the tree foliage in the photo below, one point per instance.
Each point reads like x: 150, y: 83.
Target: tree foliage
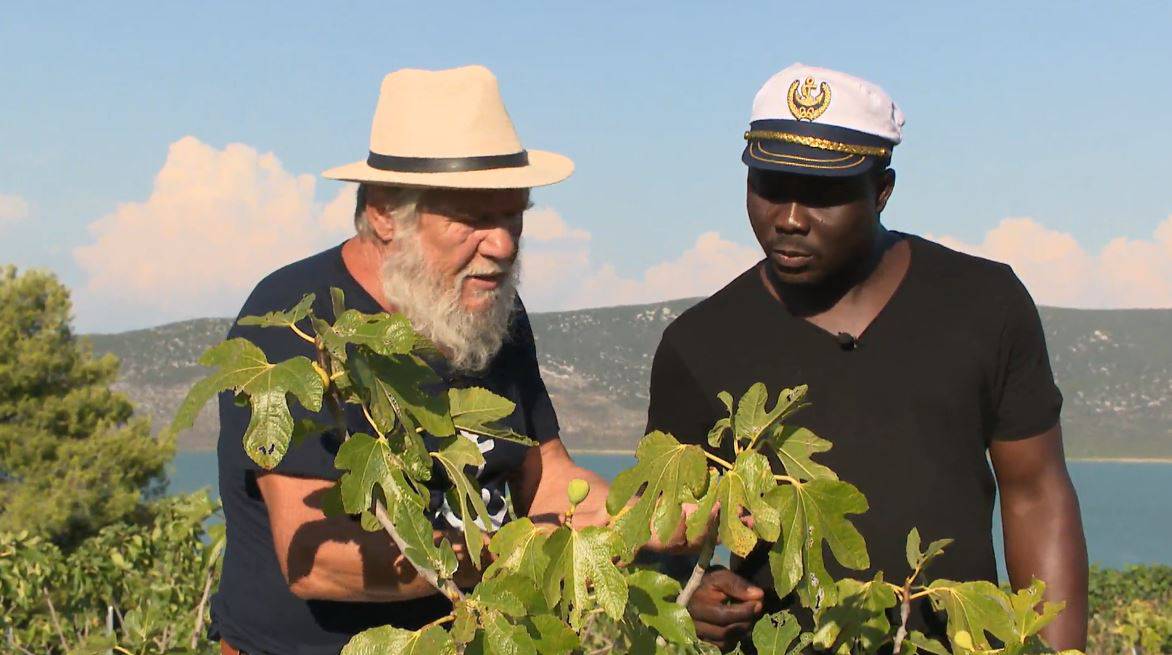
x: 546, y: 586
x: 73, y: 458
x: 140, y: 586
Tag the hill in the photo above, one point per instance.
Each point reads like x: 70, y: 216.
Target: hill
x: 1114, y: 368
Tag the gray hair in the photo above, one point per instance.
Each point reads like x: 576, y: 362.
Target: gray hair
x: 402, y: 203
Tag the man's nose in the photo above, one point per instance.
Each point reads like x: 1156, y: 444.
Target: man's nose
x: 792, y: 217
x: 499, y: 243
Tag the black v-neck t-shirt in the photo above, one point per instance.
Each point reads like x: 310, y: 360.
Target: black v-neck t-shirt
x: 955, y: 359
x: 254, y: 609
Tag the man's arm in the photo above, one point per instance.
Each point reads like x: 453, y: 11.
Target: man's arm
x: 1043, y: 529
x: 333, y: 558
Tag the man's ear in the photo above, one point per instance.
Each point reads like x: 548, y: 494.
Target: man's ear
x: 382, y: 223
x: 886, y: 184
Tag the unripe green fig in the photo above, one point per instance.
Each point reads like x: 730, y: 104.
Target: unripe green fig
x: 578, y: 490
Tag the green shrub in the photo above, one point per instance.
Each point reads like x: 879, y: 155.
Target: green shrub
x: 1131, y: 610
x: 132, y: 588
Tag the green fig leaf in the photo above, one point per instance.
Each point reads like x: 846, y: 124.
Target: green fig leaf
x: 697, y: 521
x: 282, y: 319
x: 973, y: 608
x: 477, y: 410
x: 305, y: 428
x: 518, y: 547
x: 511, y: 617
x: 337, y: 301
x: 553, y: 636
x: 1027, y: 621
x: 922, y: 642
x: 776, y: 634
x: 716, y: 434
x: 745, y: 487
x: 653, y: 597
x: 395, y: 388
x: 582, y: 574
x: 243, y: 368
x: 419, y: 538
x: 466, y: 621
x: 433, y: 640
x: 912, y: 549
x: 382, y: 333
x: 752, y: 419
x: 795, y: 448
x: 504, y: 637
x: 665, y: 472
x: 918, y: 560
x: 455, y: 454
x: 813, y: 513
x: 369, y: 464
x: 858, y: 623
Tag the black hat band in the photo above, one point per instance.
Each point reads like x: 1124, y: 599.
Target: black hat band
x: 446, y: 164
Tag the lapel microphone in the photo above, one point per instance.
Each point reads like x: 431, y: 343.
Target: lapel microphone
x: 846, y: 341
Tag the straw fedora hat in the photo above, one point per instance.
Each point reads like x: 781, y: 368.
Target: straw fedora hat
x: 448, y: 129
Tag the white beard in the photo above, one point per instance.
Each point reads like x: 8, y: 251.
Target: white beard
x: 469, y: 340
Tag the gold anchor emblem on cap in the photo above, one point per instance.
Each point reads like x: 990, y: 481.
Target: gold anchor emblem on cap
x: 803, y: 104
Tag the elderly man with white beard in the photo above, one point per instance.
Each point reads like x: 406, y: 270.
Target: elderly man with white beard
x: 439, y: 216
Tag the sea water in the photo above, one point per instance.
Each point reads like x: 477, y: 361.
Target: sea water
x: 1126, y: 508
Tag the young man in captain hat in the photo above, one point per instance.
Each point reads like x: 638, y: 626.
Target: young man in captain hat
x: 440, y: 204
x: 923, y: 364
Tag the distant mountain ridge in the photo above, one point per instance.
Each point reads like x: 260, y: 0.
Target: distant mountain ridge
x: 1114, y: 368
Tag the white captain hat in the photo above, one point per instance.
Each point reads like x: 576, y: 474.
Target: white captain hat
x: 817, y: 121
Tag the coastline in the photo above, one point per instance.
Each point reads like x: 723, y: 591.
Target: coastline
x: 614, y: 452
x: 1102, y: 460
x: 1122, y: 460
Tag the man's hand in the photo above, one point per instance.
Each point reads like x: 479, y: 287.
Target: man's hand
x: 725, y: 607
x: 541, y: 493
x: 678, y: 543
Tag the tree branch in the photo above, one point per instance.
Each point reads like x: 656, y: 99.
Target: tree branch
x: 302, y: 334
x: 698, y: 571
x: 207, y: 589
x: 56, y: 621
x: 718, y: 460
x: 334, y: 403
x: 445, y: 587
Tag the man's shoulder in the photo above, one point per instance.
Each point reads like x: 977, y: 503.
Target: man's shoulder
x: 285, y: 286
x: 709, y: 316
x: 960, y: 272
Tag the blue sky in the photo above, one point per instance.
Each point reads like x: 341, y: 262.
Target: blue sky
x: 1052, y: 112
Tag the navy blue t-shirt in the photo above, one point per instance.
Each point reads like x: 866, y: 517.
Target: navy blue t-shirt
x: 253, y: 609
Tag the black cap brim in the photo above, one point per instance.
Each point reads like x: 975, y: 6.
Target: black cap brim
x: 804, y: 160
x: 777, y: 145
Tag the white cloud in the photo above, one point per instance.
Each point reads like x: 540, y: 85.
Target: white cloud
x: 216, y: 221
x: 559, y: 273
x: 546, y: 225
x: 12, y: 208
x: 1059, y: 271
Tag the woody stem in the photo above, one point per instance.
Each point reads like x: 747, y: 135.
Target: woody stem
x: 905, y: 608
x: 718, y: 460
x: 445, y: 587
x: 334, y: 403
x: 701, y: 567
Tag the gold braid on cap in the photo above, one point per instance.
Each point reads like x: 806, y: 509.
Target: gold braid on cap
x: 815, y: 142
